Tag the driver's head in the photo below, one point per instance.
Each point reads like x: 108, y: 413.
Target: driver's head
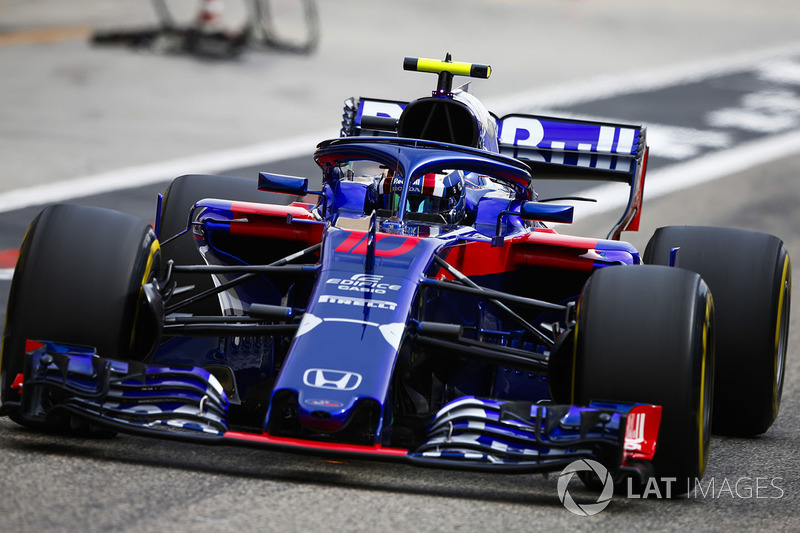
x: 440, y: 195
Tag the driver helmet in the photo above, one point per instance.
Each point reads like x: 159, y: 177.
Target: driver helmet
x: 436, y: 197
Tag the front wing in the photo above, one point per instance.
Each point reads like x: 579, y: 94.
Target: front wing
x: 468, y: 433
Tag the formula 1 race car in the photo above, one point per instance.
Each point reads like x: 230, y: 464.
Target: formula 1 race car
x: 420, y: 309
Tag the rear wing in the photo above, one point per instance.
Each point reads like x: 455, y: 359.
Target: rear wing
x: 556, y: 148
x: 553, y: 148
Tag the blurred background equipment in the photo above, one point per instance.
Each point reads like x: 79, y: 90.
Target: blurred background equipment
x: 291, y: 27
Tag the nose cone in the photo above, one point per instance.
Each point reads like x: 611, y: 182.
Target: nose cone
x: 359, y: 420
x: 320, y: 413
x: 327, y: 398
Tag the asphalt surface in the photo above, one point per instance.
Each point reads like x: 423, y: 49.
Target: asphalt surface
x: 84, y: 111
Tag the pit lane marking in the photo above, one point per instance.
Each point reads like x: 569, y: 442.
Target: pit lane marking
x: 46, y: 35
x: 142, y: 175
x: 774, y: 62
x: 8, y: 259
x: 693, y: 172
x: 767, y: 111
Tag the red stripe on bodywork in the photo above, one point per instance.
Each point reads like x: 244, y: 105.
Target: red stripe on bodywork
x: 32, y: 345
x: 307, y: 206
x: 267, y: 220
x: 356, y: 243
x: 252, y: 208
x: 633, y: 225
x: 478, y: 259
x: 350, y: 242
x: 551, y: 238
x: 543, y: 248
x: 18, y: 381
x: 405, y: 246
x: 549, y: 249
x: 333, y: 447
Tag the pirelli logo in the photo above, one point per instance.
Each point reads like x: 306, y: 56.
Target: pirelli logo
x: 357, y: 302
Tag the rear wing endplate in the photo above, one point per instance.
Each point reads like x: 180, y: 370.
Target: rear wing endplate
x: 370, y: 117
x: 556, y: 148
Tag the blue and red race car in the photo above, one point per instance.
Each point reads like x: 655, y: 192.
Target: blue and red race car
x: 419, y: 310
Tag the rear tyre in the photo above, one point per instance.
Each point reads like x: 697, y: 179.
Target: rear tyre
x: 645, y: 334
x: 78, y: 280
x: 179, y: 198
x: 750, y: 276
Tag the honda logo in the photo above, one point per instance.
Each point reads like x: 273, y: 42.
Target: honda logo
x: 322, y: 378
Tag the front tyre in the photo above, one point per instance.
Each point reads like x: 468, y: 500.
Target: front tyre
x: 78, y: 280
x: 750, y: 276
x: 645, y: 334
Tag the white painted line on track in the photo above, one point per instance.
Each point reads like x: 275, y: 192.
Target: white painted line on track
x: 584, y: 91
x: 771, y: 60
x: 138, y: 176
x: 674, y: 178
x: 6, y: 274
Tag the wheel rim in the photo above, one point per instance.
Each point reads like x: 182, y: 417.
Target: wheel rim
x: 706, y: 390
x: 781, y: 335
x: 151, y: 270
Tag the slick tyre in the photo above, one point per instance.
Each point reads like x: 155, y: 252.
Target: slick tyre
x: 645, y: 334
x: 750, y: 276
x: 179, y: 198
x: 78, y: 280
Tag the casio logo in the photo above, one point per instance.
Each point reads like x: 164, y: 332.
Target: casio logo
x: 368, y: 283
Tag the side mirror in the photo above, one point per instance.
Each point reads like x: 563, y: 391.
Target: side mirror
x: 534, y: 211
x: 282, y: 184
x: 547, y: 212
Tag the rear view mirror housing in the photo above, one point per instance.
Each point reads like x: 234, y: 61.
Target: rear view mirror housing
x: 537, y: 211
x: 547, y: 212
x: 282, y: 184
